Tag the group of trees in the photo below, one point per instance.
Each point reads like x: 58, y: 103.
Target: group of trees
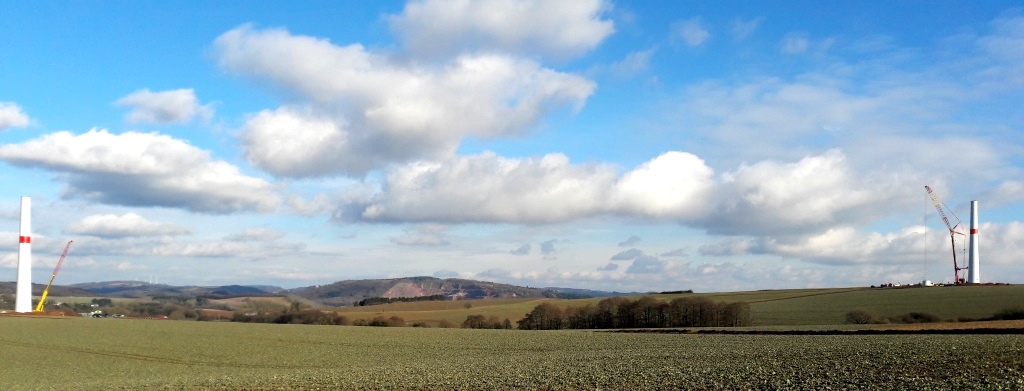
x: 306, y: 316
x: 387, y: 300
x: 646, y: 312
x: 481, y: 322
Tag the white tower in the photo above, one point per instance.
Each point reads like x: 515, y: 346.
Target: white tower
x: 23, y: 301
x: 973, y: 274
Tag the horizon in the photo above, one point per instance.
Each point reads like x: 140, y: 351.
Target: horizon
x: 613, y: 145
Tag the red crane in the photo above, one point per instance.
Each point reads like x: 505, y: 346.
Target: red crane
x: 952, y: 233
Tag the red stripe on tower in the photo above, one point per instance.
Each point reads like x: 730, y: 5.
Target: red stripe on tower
x: 24, y: 239
x: 974, y: 231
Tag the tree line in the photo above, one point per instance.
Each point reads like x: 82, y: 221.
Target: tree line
x: 646, y: 312
x: 387, y: 300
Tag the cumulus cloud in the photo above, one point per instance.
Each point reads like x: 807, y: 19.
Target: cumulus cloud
x: 773, y: 198
x: 489, y: 188
x: 142, y: 169
x: 365, y: 110
x: 692, y: 31
x: 126, y: 225
x: 846, y: 245
x: 438, y: 28
x: 11, y: 116
x: 164, y: 107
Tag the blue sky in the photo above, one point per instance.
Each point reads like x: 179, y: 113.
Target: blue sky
x: 608, y: 145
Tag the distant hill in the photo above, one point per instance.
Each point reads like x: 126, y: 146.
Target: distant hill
x: 341, y: 293
x: 37, y: 289
x: 144, y: 289
x: 567, y: 292
x: 345, y: 293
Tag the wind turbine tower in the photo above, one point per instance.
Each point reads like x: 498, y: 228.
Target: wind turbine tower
x: 23, y: 301
x: 973, y: 274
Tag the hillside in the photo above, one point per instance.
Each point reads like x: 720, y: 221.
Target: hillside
x: 37, y: 289
x: 135, y: 289
x: 345, y: 293
x: 769, y: 309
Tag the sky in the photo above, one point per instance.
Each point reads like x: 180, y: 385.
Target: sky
x: 611, y: 145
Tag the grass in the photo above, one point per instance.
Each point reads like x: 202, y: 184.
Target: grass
x: 104, y: 354
x: 949, y: 302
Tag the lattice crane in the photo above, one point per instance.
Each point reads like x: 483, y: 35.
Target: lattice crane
x: 46, y: 292
x: 939, y: 206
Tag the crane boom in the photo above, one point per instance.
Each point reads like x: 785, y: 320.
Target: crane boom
x: 952, y: 232
x: 46, y: 292
x: 938, y: 207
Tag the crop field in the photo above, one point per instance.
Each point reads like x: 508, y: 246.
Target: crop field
x: 791, y: 307
x: 433, y: 312
x: 104, y: 354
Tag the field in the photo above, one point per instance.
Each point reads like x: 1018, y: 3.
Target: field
x: 95, y: 354
x: 793, y: 307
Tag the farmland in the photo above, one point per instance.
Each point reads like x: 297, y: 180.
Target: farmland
x: 88, y: 354
x: 794, y: 307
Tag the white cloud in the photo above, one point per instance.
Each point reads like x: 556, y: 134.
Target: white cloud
x: 365, y: 110
x: 558, y: 29
x: 1007, y: 192
x: 635, y: 62
x: 1000, y: 244
x: 318, y: 205
x: 691, y: 30
x: 769, y: 197
x: 741, y: 29
x: 489, y: 188
x: 11, y: 116
x: 846, y: 245
x: 673, y: 185
x: 1004, y: 47
x: 142, y: 169
x: 795, y: 43
x: 126, y: 225
x: 424, y: 235
x: 256, y: 235
x: 772, y: 198
x: 164, y: 107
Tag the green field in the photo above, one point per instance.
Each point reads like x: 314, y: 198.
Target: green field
x: 768, y: 308
x: 103, y: 354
